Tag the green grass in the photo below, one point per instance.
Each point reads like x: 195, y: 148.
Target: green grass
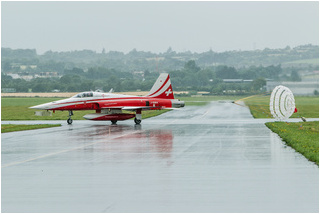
x: 13, y: 108
x: 18, y: 109
x: 12, y: 128
x: 303, y: 137
x: 307, y: 106
x: 148, y: 114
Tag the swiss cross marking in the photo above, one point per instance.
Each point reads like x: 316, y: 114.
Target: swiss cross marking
x: 168, y: 92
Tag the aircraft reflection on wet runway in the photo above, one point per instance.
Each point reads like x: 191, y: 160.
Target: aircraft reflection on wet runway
x: 129, y: 139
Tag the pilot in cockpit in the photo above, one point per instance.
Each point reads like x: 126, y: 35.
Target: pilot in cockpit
x: 84, y: 94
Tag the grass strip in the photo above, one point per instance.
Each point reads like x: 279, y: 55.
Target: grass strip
x: 13, y: 127
x: 307, y: 107
x: 148, y: 114
x: 302, y: 136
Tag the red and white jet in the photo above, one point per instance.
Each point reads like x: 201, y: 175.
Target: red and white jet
x: 109, y: 106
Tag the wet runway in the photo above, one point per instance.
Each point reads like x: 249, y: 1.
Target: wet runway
x: 214, y: 158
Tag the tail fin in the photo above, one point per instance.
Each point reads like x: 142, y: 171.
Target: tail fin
x: 162, y: 88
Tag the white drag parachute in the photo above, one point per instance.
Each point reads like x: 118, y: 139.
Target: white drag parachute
x: 282, y: 104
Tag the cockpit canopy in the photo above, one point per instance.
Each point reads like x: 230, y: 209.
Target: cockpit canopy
x: 83, y: 94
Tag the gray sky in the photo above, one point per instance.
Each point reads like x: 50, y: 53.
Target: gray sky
x: 154, y: 26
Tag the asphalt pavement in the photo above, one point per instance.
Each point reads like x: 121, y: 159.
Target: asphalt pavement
x: 213, y: 158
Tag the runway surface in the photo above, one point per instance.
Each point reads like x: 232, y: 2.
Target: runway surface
x: 214, y: 158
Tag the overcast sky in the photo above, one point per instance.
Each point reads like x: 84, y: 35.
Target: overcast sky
x: 155, y: 26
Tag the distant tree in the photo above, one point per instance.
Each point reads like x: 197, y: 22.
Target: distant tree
x: 146, y: 85
x: 87, y: 85
x: 225, y: 72
x: 5, y: 66
x: 146, y: 73
x: 249, y: 73
x: 72, y: 88
x: 113, y: 82
x: 204, y: 76
x: 257, y: 84
x: 295, y: 76
x: 77, y: 71
x: 169, y: 50
x: 66, y: 79
x: 273, y: 71
x: 133, y: 52
x: 191, y: 66
x: 40, y: 87
x: 5, y: 78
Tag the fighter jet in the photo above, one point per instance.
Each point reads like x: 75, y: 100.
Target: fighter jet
x: 110, y: 106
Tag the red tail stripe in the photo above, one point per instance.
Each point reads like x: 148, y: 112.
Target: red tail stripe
x: 161, y: 86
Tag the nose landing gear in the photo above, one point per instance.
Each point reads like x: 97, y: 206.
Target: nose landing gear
x: 137, y: 121
x: 69, y: 121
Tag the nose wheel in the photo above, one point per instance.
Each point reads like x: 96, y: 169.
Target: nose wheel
x: 137, y: 121
x: 69, y: 121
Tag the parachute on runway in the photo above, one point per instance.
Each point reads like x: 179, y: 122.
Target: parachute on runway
x: 282, y: 104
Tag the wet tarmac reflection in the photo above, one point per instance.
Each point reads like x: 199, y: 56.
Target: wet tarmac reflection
x: 127, y: 139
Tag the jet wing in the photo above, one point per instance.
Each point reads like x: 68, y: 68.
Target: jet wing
x: 131, y: 107
x: 137, y: 107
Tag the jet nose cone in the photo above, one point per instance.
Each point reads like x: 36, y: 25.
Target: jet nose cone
x: 41, y: 107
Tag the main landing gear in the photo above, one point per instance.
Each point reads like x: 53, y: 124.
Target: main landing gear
x: 114, y: 122
x: 69, y: 121
x: 138, y: 117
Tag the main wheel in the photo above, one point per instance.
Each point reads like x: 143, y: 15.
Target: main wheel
x: 137, y: 121
x: 114, y: 122
x: 69, y: 121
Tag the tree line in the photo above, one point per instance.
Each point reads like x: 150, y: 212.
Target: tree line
x: 189, y: 78
x: 53, y: 61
